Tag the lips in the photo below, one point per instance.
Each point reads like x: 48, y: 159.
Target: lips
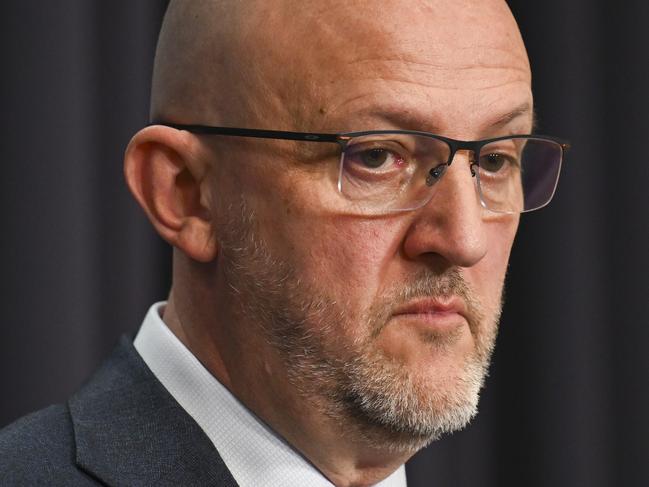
x: 432, y: 306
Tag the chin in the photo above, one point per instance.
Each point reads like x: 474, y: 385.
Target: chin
x: 404, y: 408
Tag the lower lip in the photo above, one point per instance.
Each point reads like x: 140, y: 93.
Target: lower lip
x: 442, y: 321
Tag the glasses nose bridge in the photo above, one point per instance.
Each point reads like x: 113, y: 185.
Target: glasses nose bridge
x: 470, y: 147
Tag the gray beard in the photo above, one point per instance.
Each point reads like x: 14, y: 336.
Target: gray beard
x: 375, y: 398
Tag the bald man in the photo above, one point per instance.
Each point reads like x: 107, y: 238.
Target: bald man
x: 341, y: 182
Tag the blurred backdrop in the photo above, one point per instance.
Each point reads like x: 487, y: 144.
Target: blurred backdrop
x: 567, y: 400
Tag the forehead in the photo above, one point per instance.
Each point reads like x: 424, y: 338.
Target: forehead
x: 330, y: 59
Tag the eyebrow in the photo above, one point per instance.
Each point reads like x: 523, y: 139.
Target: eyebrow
x: 520, y: 111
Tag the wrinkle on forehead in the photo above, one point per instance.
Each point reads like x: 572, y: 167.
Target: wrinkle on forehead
x: 233, y: 62
x: 437, y: 75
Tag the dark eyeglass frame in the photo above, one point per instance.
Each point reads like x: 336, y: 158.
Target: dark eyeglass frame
x: 343, y: 138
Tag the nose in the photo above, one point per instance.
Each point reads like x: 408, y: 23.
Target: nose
x: 451, y: 226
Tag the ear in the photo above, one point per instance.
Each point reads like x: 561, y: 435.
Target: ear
x: 166, y: 170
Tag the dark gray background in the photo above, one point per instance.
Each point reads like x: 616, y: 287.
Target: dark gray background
x: 568, y: 395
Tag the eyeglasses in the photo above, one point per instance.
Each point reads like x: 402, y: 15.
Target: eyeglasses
x: 385, y: 171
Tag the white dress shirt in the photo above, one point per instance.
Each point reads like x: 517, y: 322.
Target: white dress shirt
x: 254, y: 453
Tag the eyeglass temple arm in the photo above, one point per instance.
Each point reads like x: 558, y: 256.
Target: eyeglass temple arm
x: 258, y: 133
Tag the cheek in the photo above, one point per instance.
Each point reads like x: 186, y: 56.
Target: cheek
x: 343, y: 255
x: 331, y: 251
x: 351, y: 257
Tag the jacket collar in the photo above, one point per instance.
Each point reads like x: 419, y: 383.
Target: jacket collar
x: 130, y: 431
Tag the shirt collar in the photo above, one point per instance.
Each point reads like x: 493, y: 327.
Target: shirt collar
x: 253, y: 452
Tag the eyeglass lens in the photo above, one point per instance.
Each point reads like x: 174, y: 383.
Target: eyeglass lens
x: 392, y: 172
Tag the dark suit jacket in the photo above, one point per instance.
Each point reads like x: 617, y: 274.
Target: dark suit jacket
x: 121, y: 428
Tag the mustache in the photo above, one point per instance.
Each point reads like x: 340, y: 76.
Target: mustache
x: 425, y: 284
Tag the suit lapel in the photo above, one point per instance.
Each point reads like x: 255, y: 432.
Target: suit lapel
x: 130, y: 431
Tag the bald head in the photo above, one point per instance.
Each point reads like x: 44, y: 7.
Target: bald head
x: 289, y: 64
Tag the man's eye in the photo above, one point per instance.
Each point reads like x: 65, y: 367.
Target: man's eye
x: 493, y: 162
x: 377, y: 158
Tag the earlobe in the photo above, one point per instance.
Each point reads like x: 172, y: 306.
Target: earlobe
x: 168, y: 179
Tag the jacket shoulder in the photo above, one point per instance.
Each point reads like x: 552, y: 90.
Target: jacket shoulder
x: 38, y: 449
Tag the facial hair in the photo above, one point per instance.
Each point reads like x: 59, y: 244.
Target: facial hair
x: 353, y: 382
